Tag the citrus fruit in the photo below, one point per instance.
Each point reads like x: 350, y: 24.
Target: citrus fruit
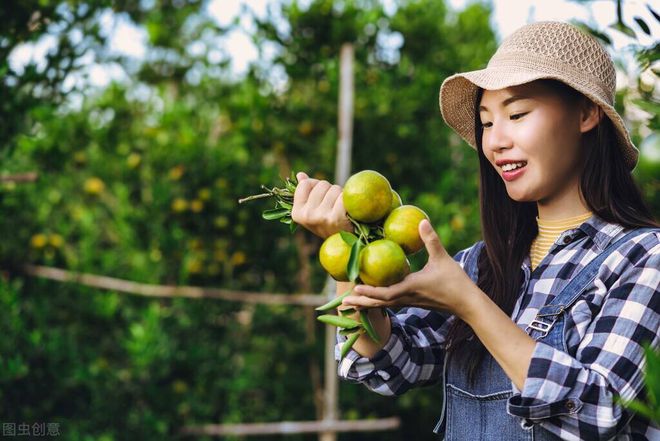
x: 402, y: 227
x: 367, y: 196
x: 383, y: 263
x: 396, y: 200
x: 334, y: 254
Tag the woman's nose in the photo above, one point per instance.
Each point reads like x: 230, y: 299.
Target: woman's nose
x: 497, y: 137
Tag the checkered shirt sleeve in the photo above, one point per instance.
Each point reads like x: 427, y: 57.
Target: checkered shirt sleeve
x: 412, y: 357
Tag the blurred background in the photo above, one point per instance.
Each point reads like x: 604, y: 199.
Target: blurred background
x: 129, y: 130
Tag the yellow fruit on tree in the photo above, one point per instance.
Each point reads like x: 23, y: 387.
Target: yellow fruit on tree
x: 94, y: 186
x: 367, y: 196
x: 383, y: 263
x: 334, y: 254
x: 402, y: 227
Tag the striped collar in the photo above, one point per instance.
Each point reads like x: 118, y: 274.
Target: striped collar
x: 595, y: 228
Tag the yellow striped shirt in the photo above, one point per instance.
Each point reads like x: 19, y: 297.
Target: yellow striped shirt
x: 549, y: 231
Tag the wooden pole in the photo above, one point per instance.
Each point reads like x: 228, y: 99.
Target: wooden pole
x: 292, y: 427
x: 144, y: 289
x: 345, y: 115
x: 21, y: 177
x: 342, y: 171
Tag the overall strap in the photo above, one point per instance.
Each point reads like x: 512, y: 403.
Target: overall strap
x: 548, y: 315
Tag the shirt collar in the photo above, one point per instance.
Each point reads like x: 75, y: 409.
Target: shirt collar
x: 599, y: 230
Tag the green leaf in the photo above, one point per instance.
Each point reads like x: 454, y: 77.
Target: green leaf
x: 652, y: 375
x: 642, y: 24
x: 366, y: 323
x: 286, y: 220
x: 349, y: 331
x: 347, y: 311
x: 647, y: 106
x: 334, y: 302
x: 348, y: 344
x: 638, y: 407
x: 601, y: 36
x: 353, y: 269
x: 284, y: 204
x: 349, y: 238
x: 293, y: 227
x: 275, y: 213
x: 290, y: 186
x: 621, y: 27
x: 335, y: 320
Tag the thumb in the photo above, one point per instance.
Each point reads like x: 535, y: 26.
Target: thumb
x: 301, y: 175
x: 431, y: 239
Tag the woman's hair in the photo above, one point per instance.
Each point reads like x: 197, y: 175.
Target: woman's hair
x: 509, y: 227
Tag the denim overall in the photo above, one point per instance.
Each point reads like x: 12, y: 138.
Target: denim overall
x: 478, y: 411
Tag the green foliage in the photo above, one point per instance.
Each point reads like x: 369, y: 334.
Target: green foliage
x: 639, y: 95
x: 649, y: 407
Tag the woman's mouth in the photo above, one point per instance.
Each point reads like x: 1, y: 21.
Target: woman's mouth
x: 513, y: 170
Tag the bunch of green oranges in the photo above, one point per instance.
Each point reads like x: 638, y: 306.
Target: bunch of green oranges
x: 384, y: 233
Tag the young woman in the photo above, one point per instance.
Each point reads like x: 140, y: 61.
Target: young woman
x: 538, y: 330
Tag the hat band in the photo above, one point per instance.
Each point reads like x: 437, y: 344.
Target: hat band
x: 556, y: 69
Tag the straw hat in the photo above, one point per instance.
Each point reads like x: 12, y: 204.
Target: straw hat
x: 544, y: 50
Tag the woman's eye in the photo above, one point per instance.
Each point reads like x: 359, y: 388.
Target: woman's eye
x: 513, y: 117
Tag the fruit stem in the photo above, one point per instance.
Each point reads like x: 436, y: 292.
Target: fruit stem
x: 256, y: 196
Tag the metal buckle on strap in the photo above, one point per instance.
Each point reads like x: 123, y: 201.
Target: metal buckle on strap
x: 541, y: 326
x: 555, y: 311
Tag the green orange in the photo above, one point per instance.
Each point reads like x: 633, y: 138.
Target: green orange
x: 367, y: 196
x: 402, y: 227
x: 396, y: 200
x: 334, y: 254
x: 383, y: 263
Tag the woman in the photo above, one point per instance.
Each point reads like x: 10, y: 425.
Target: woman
x: 538, y: 329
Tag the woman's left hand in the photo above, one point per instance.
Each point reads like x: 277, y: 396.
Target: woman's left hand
x: 441, y: 284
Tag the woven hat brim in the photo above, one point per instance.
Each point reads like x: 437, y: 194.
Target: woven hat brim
x: 458, y: 94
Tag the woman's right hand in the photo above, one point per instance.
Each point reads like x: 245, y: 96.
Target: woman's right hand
x: 319, y: 207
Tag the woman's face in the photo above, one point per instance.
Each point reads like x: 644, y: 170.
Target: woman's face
x: 531, y: 136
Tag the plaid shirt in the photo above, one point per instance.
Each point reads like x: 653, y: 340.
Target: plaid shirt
x: 605, y: 331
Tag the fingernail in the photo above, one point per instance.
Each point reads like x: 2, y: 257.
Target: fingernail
x: 425, y: 226
x: 357, y: 289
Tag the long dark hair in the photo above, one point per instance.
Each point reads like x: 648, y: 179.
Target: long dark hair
x: 509, y: 227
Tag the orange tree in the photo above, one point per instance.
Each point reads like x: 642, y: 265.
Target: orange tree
x: 141, y: 183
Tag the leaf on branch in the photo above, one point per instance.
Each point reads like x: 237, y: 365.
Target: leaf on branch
x: 621, y: 27
x: 276, y: 213
x: 353, y: 270
x: 642, y: 24
x: 293, y: 227
x: 284, y: 204
x: 349, y: 238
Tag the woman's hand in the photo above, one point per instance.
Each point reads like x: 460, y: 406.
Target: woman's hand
x: 441, y: 284
x: 319, y: 207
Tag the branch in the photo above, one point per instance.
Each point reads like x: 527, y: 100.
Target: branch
x: 149, y: 290
x: 290, y: 427
x: 21, y: 177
